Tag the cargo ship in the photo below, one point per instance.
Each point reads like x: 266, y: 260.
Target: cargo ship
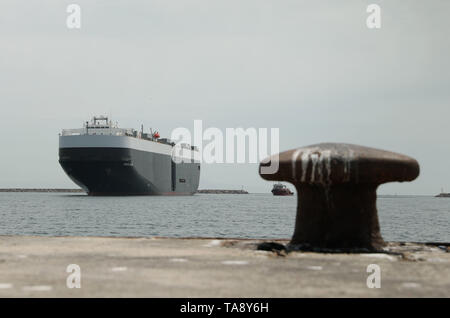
x: 104, y: 159
x: 281, y: 189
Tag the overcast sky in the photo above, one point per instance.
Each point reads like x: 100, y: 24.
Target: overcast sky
x: 311, y: 68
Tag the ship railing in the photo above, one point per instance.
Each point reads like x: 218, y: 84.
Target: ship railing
x: 98, y: 131
x: 73, y: 132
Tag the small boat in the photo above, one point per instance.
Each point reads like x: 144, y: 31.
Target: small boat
x: 281, y: 189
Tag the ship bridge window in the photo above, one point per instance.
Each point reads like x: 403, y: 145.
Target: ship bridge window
x: 182, y: 180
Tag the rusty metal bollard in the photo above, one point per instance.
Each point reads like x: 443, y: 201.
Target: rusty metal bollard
x: 336, y: 188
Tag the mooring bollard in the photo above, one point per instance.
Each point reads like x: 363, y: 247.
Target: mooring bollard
x: 336, y: 188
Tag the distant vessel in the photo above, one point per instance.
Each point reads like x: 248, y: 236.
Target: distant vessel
x: 443, y: 194
x: 281, y: 189
x: 106, y: 160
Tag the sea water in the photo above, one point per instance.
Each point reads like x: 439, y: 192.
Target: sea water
x: 402, y: 218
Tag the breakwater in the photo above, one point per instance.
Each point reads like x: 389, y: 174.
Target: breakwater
x: 41, y: 190
x: 217, y: 191
x: 209, y: 191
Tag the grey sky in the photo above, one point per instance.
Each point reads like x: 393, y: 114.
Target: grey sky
x: 311, y: 68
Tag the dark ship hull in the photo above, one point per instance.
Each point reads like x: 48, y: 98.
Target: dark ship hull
x: 125, y: 170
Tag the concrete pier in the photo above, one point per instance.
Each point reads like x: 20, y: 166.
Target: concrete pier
x: 167, y: 267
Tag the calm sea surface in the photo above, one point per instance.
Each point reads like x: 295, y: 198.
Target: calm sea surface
x: 412, y: 218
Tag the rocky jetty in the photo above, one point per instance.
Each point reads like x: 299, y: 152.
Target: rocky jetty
x: 218, y: 191
x: 41, y: 190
